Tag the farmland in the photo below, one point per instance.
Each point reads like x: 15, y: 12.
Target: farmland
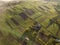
x: 17, y: 21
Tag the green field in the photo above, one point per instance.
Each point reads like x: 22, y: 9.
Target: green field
x: 16, y: 21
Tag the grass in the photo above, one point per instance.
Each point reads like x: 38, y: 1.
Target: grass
x: 39, y: 15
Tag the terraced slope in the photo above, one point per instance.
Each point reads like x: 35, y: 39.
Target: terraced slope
x: 18, y: 21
